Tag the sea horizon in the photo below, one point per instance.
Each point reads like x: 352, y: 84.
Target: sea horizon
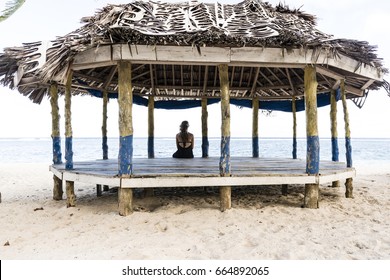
x: 39, y: 149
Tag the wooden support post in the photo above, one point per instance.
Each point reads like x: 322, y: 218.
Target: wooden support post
x: 104, y: 125
x: 68, y: 122
x: 224, y: 162
x: 284, y: 189
x: 125, y: 201
x: 57, y: 189
x: 294, y: 112
x: 255, y: 127
x: 70, y: 196
x: 151, y: 127
x: 125, y: 102
x: 348, y: 147
x: 311, y: 196
x: 313, y: 145
x: 226, y: 198
x: 56, y: 140
x: 55, y: 124
x: 99, y: 191
x: 104, y: 136
x: 333, y: 130
x: 205, y: 139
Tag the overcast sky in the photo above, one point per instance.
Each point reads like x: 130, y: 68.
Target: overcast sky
x: 45, y: 19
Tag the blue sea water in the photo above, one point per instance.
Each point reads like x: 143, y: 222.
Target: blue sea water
x: 39, y: 150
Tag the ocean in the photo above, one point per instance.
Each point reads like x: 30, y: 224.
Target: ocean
x: 38, y: 150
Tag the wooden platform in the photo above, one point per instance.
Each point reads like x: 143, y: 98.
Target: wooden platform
x: 171, y: 172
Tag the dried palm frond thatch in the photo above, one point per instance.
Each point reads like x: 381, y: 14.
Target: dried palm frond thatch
x: 251, y: 23
x: 10, y: 8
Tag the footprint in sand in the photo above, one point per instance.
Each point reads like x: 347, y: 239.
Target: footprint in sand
x: 162, y: 228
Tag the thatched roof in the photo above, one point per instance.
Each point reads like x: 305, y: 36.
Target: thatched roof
x: 199, y: 26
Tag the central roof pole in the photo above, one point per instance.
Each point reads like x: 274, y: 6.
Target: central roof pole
x: 224, y: 162
x: 125, y: 102
x: 313, y: 143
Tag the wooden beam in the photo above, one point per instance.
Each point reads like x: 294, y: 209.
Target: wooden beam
x: 271, y: 57
x: 329, y: 73
x: 367, y: 84
x: 353, y: 90
x: 244, y: 56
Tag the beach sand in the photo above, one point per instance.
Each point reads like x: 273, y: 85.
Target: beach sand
x: 263, y: 224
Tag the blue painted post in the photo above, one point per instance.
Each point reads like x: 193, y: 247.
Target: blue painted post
x: 55, y: 117
x: 294, y: 111
x: 68, y: 123
x: 333, y: 129
x: 56, y: 140
x: 125, y: 102
x: 151, y: 127
x: 224, y: 162
x: 255, y: 127
x: 104, y: 126
x: 70, y: 196
x: 348, y: 146
x: 205, y: 139
x: 313, y: 143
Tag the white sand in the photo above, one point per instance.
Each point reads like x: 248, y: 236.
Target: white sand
x: 265, y: 225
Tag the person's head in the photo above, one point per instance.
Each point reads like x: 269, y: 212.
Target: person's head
x: 184, y: 126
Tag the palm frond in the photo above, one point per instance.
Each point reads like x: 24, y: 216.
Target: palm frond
x: 10, y: 8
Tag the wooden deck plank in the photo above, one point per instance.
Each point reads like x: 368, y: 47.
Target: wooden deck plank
x: 170, y: 172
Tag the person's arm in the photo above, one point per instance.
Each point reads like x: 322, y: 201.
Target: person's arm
x: 192, y: 141
x: 177, y: 141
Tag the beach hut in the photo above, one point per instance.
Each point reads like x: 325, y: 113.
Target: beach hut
x: 189, y: 54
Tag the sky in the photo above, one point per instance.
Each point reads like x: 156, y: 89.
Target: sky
x: 37, y: 20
